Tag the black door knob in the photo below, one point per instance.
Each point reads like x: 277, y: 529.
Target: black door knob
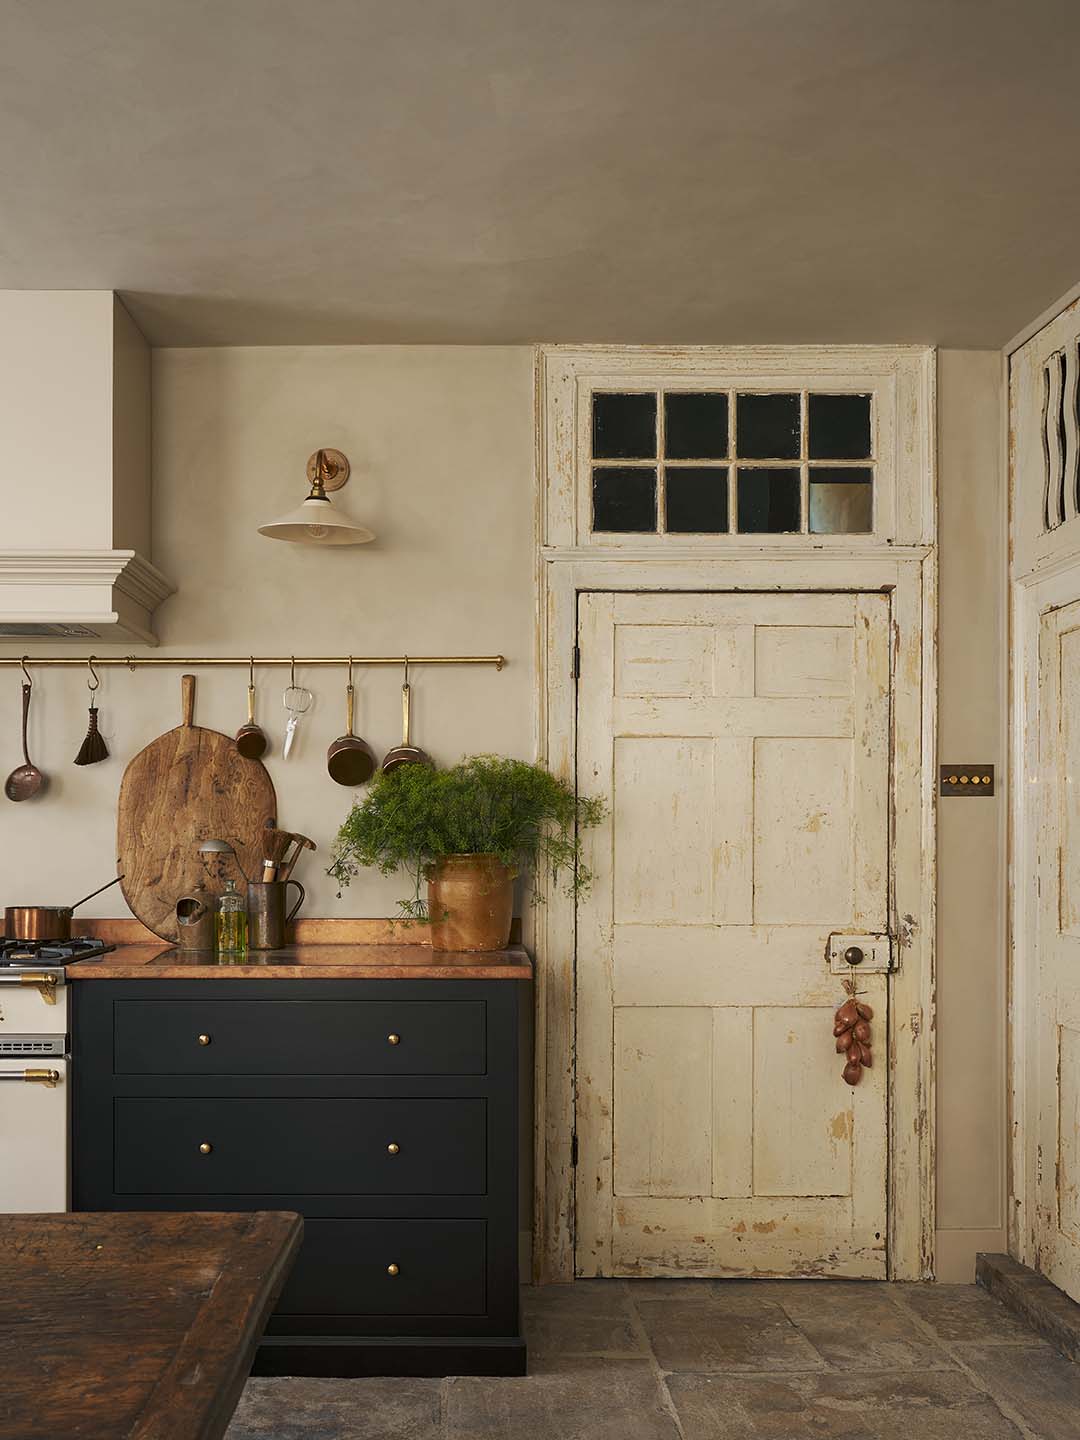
x: 853, y: 955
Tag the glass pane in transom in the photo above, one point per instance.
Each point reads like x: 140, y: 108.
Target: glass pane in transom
x: 623, y: 426
x: 767, y: 427
x: 768, y: 500
x: 624, y: 498
x: 696, y: 499
x: 839, y: 427
x: 841, y: 500
x: 696, y: 426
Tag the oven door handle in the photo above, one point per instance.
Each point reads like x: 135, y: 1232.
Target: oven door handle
x: 33, y: 1076
x: 42, y: 980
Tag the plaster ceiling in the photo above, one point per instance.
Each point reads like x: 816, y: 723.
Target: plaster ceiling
x: 486, y: 171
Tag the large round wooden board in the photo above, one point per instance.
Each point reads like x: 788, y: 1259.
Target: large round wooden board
x: 187, y: 786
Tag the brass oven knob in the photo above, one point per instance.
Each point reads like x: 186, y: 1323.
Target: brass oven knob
x: 205, y: 1148
x: 392, y: 1270
x: 394, y: 1039
x: 392, y: 1148
x: 204, y: 1039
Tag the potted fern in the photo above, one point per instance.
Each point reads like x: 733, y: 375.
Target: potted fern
x: 467, y: 833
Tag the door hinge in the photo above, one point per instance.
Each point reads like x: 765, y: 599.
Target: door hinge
x: 573, y: 1151
x: 575, y: 663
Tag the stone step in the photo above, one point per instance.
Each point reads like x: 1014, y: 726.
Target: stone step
x: 1032, y: 1297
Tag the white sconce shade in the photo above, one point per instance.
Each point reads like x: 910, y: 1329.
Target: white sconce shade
x: 318, y: 521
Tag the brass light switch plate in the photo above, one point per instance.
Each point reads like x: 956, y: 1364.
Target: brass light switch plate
x: 967, y: 780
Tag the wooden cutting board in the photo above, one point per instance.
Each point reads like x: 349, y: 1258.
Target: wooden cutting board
x: 187, y: 786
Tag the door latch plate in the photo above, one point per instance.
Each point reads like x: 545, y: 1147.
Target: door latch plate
x: 876, y: 954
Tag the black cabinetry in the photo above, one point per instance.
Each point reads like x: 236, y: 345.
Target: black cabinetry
x: 385, y: 1111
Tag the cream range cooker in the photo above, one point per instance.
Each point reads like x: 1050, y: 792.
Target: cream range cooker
x: 34, y: 1072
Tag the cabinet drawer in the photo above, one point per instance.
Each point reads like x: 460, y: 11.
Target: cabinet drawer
x: 299, y: 1037
x: 344, y: 1268
x: 262, y: 1146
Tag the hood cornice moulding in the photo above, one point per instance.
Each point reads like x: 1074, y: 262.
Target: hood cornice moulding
x: 109, y: 590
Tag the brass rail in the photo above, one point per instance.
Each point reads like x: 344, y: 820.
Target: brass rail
x: 132, y: 661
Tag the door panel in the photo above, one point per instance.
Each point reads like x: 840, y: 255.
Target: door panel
x: 802, y: 832
x: 661, y: 1147
x: 1069, y: 1132
x: 663, y: 855
x: 1058, y: 993
x: 1068, y: 791
x: 803, y: 659
x: 742, y: 745
x: 788, y: 1069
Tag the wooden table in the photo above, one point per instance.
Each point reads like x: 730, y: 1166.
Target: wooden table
x: 134, y: 1326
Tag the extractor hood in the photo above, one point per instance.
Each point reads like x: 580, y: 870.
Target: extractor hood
x: 75, y: 470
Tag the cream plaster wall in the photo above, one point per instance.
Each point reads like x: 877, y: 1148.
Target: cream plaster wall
x: 441, y: 444
x: 971, y: 1191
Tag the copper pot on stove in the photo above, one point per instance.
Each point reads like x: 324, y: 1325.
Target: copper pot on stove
x: 45, y: 922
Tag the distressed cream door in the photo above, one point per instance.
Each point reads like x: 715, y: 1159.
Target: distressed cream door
x: 742, y: 744
x: 1058, y: 994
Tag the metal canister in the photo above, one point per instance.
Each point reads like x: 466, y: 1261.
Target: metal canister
x: 267, y: 917
x: 195, y: 920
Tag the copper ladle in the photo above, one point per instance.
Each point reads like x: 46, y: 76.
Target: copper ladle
x: 26, y: 779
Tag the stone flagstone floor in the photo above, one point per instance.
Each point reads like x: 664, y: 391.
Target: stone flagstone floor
x: 693, y: 1360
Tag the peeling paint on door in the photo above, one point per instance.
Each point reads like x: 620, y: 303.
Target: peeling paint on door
x: 744, y: 755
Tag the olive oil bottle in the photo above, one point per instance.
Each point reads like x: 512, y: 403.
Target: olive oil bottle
x: 232, y: 928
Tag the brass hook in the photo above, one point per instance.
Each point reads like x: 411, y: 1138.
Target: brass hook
x: 350, y: 673
x: 25, y: 671
x: 94, y: 674
x: 406, y: 659
x: 292, y: 671
x: 251, y: 673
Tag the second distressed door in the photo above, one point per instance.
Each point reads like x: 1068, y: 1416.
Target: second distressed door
x: 742, y: 744
x: 1056, y: 1037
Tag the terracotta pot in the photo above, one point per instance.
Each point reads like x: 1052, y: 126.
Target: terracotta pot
x: 471, y: 903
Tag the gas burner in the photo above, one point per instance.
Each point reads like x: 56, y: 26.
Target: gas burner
x: 49, y: 952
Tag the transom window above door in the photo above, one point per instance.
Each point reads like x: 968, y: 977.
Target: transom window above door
x: 705, y: 462
x: 703, y: 450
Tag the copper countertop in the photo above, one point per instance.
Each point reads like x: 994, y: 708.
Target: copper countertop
x: 304, y: 962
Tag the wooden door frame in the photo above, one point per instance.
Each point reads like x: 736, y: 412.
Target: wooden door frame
x: 910, y: 574
x: 900, y: 557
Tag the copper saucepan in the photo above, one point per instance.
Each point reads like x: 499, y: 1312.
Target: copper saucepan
x: 406, y: 753
x: 45, y: 922
x: 350, y: 760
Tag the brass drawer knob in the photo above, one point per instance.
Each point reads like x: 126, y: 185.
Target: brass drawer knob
x: 394, y: 1039
x: 392, y: 1270
x: 205, y: 1148
x: 204, y: 1039
x: 392, y: 1148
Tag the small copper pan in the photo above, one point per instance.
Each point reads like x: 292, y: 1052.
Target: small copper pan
x: 349, y: 759
x: 406, y: 753
x: 251, y: 739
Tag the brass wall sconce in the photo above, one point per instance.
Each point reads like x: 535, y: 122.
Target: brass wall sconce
x: 318, y: 521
